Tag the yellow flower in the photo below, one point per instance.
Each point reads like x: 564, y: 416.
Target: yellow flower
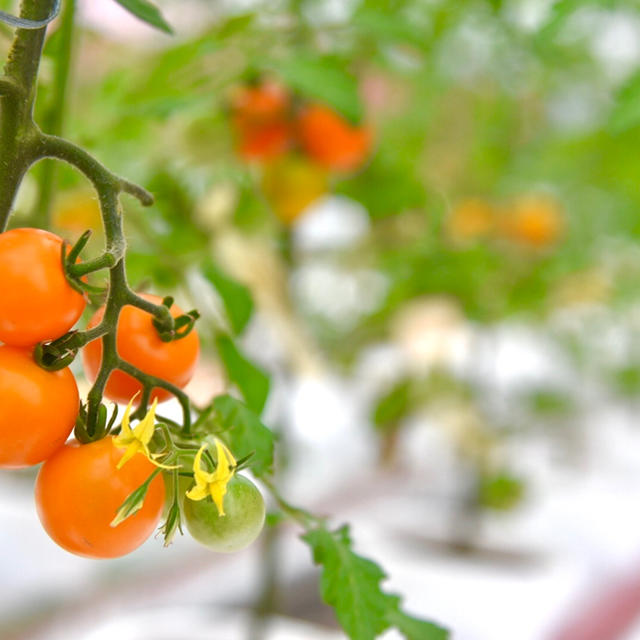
x: 213, y: 484
x: 137, y: 440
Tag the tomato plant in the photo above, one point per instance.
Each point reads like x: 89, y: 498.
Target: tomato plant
x: 79, y: 490
x: 139, y: 342
x: 37, y: 302
x: 38, y: 408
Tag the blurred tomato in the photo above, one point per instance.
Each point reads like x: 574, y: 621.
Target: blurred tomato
x: 536, y: 221
x: 260, y: 120
x: 331, y: 140
x: 75, y: 212
x: 291, y: 184
x: 470, y: 219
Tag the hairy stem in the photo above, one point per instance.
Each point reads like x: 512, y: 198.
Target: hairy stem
x: 53, y: 119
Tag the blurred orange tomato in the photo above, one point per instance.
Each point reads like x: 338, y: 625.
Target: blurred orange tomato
x: 470, y: 219
x: 331, y: 140
x: 260, y: 120
x: 534, y: 220
x: 291, y: 184
x: 75, y: 212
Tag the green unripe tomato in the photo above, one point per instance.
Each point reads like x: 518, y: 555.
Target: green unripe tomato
x: 238, y: 528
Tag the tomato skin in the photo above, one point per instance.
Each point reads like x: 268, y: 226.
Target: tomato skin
x: 535, y: 221
x: 79, y: 491
x: 38, y: 408
x: 291, y: 184
x: 36, y: 301
x: 243, y: 522
x: 260, y: 120
x: 331, y: 140
x: 138, y: 342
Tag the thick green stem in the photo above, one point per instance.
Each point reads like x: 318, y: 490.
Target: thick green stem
x: 17, y: 130
x: 53, y: 119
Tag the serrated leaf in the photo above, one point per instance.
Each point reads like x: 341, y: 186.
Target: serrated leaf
x: 235, y: 297
x: 323, y: 79
x: 351, y: 585
x: 251, y: 380
x: 147, y: 12
x: 414, y: 628
x: 245, y: 433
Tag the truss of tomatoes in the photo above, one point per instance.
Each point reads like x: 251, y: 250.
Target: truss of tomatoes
x: 79, y: 488
x: 297, y: 143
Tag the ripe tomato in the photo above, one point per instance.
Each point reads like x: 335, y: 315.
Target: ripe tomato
x: 470, y: 219
x: 36, y: 301
x: 291, y: 184
x: 38, y: 408
x: 535, y: 221
x: 79, y: 491
x: 260, y: 120
x: 332, y: 141
x: 138, y: 343
x: 244, y: 519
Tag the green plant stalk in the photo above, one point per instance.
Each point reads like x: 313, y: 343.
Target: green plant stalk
x: 22, y: 144
x: 53, y: 119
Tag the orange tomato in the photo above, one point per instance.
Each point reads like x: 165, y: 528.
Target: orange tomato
x: 535, y: 221
x: 138, y: 342
x: 260, y: 120
x: 36, y: 301
x: 291, y: 184
x: 470, y: 219
x: 38, y: 408
x: 79, y: 491
x: 332, y: 141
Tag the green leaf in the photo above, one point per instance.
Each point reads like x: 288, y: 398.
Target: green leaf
x: 235, y: 296
x: 245, y: 433
x: 147, y: 12
x: 414, y: 628
x: 626, y: 112
x: 323, y: 79
x: 252, y: 381
x: 351, y: 585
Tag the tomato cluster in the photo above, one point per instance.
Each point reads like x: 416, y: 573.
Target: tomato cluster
x: 81, y: 488
x: 299, y: 144
x: 533, y: 221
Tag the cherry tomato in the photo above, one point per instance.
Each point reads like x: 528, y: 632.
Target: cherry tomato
x: 138, y: 342
x: 331, y: 140
x: 38, y: 408
x: 238, y: 528
x: 535, y: 221
x: 79, y: 491
x: 291, y: 184
x: 36, y: 301
x: 470, y: 219
x: 260, y: 120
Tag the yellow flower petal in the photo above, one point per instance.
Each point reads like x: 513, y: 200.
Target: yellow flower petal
x: 199, y: 492
x: 200, y: 475
x: 213, y: 484
x: 144, y: 431
x: 131, y: 451
x: 125, y: 429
